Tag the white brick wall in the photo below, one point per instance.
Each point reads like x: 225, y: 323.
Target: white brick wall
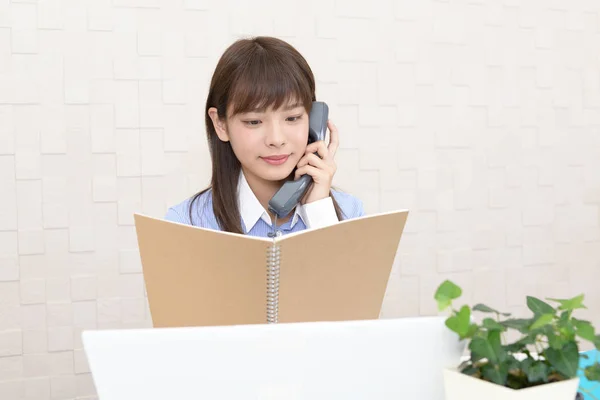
x: 481, y: 118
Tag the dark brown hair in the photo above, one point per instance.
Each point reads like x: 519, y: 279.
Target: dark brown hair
x: 251, y: 74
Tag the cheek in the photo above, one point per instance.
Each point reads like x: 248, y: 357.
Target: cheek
x: 299, y: 135
x: 244, y: 144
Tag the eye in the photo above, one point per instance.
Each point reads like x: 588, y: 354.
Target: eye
x: 252, y: 122
x: 294, y: 119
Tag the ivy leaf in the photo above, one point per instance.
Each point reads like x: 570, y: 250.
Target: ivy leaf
x: 492, y: 325
x: 470, y: 371
x: 496, y: 342
x: 554, y: 340
x: 445, y: 293
x: 490, y: 347
x: 460, y: 323
x: 496, y: 373
x: 512, y: 363
x: 521, y: 344
x: 539, y: 307
x: 585, y: 330
x: 543, y: 320
x: 481, y: 349
x: 538, y: 371
x: 526, y: 364
x: 592, y: 372
x: 520, y: 324
x: 486, y: 309
x: 472, y: 330
x: 475, y: 357
x: 570, y: 304
x: 564, y: 318
x: 565, y: 360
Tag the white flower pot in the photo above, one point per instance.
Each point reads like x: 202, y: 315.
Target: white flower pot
x: 459, y: 386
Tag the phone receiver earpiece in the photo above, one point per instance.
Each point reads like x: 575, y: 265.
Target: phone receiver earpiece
x: 290, y: 194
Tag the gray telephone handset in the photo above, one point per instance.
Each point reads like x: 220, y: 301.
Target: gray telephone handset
x: 290, y: 194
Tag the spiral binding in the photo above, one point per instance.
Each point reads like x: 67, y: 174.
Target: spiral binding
x: 273, y: 262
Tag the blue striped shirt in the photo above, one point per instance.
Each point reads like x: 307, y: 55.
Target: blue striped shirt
x: 203, y: 215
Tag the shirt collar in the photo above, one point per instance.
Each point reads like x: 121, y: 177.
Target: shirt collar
x: 250, y: 208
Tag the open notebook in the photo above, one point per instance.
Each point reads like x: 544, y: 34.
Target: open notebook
x: 202, y: 277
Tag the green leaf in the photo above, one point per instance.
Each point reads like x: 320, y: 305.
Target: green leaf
x: 482, y: 349
x: 492, y: 325
x: 555, y: 341
x: 597, y: 342
x: 567, y: 332
x: 539, y: 307
x: 443, y: 304
x: 564, y: 318
x: 445, y: 293
x: 489, y: 348
x: 538, y: 371
x: 521, y: 345
x: 495, y: 373
x: 565, y: 360
x: 520, y: 324
x: 496, y: 342
x: 570, y: 304
x: 585, y: 330
x: 543, y: 320
x: 526, y: 364
x: 472, y: 330
x: 592, y: 372
x: 486, y: 309
x: 460, y: 323
x: 470, y: 371
x: 475, y: 357
x: 512, y: 363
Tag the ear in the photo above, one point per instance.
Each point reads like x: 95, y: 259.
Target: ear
x: 220, y: 126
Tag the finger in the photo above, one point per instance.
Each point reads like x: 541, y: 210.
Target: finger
x: 303, y: 161
x: 334, y: 138
x: 318, y: 147
x: 314, y: 160
x: 316, y: 173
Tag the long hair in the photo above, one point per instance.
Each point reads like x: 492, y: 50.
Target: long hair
x: 252, y: 73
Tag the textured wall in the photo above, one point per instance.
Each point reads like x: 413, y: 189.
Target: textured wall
x: 481, y: 117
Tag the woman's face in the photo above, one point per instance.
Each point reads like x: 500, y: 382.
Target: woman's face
x: 268, y: 143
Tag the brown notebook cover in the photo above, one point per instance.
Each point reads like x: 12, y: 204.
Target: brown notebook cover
x: 202, y: 277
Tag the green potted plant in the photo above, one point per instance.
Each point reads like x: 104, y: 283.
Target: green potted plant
x: 543, y: 363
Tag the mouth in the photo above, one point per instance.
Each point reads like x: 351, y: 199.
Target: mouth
x: 277, y: 159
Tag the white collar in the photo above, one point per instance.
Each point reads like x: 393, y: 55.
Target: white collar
x: 250, y: 208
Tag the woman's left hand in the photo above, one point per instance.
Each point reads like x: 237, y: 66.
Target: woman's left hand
x: 321, y: 167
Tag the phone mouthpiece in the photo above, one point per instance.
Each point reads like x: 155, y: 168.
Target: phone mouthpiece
x: 289, y: 196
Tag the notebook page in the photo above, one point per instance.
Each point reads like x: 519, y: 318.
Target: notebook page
x: 339, y: 272
x: 201, y: 277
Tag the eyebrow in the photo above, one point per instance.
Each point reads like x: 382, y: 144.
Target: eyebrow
x: 292, y: 106
x: 286, y: 108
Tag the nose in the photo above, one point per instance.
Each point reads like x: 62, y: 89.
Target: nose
x: 275, y: 137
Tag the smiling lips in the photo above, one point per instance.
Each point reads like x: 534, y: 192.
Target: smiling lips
x: 276, y: 160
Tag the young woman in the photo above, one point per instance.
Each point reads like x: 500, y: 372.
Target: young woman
x: 256, y: 119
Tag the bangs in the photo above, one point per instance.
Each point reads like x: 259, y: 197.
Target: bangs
x: 268, y: 80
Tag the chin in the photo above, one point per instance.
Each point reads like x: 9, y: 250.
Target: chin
x: 276, y: 177
x: 276, y: 174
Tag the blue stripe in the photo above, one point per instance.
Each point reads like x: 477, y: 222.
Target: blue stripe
x: 204, y: 217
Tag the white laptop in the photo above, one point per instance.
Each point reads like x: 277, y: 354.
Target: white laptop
x: 373, y: 359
